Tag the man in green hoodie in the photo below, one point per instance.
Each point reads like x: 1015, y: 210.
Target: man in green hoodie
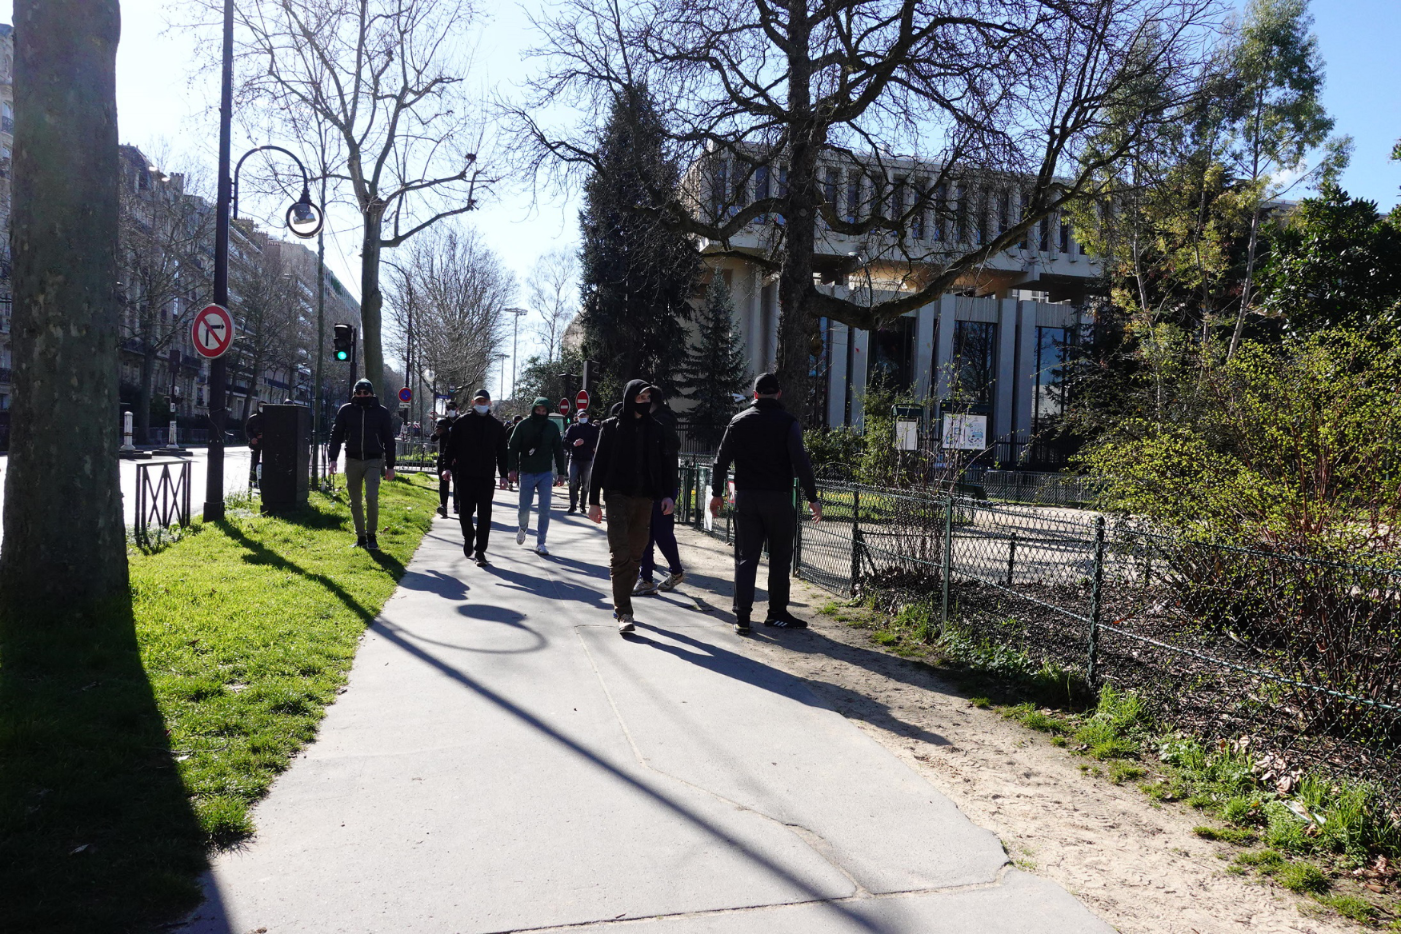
x: 535, y: 455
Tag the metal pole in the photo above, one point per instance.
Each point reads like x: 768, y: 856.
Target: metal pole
x: 320, y: 348
x: 948, y: 560
x: 1011, y: 558
x: 1095, y: 591
x: 214, y: 473
x: 855, y: 537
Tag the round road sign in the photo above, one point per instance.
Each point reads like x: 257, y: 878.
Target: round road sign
x: 406, y: 394
x: 564, y: 406
x: 581, y: 401
x: 212, y: 331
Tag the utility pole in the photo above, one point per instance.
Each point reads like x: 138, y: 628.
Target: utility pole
x: 214, y: 471
x: 515, y: 346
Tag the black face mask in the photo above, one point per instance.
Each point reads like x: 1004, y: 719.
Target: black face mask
x: 363, y: 400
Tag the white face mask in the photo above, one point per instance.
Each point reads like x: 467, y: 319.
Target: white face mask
x: 583, y: 419
x: 481, y: 409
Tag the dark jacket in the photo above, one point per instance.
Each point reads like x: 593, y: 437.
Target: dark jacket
x: 765, y: 444
x: 536, y: 442
x: 253, y: 428
x: 632, y: 454
x: 366, y: 430
x: 476, y: 447
x: 440, y: 433
x: 586, y: 433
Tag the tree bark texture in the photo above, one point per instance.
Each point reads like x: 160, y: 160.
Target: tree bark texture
x: 795, y: 276
x: 371, y: 303
x: 64, y: 542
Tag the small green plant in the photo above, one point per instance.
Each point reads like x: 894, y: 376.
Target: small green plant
x: 1266, y: 862
x: 1225, y: 835
x: 1350, y: 907
x: 1303, y: 878
x: 982, y: 703
x: 1039, y: 720
x: 1121, y: 772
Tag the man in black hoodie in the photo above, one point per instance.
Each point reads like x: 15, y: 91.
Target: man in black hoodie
x: 580, y: 442
x: 631, y: 471
x: 663, y: 528
x: 367, y: 431
x: 440, y: 435
x: 766, y: 445
x: 476, y: 454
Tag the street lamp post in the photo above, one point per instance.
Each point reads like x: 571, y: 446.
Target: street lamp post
x: 515, y: 346
x: 501, y: 390
x: 303, y: 219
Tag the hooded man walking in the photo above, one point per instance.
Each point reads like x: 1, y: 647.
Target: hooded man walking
x: 367, y: 431
x: 765, y: 444
x: 534, y: 449
x: 580, y: 441
x: 631, y: 472
x: 663, y: 529
x: 476, y: 453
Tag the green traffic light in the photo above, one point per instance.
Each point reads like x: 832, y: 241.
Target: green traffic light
x: 342, y: 355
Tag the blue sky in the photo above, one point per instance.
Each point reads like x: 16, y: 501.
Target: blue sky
x: 161, y: 109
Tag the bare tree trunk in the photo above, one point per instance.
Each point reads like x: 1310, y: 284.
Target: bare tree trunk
x: 64, y: 543
x: 371, y: 301
x: 795, y: 276
x: 143, y: 397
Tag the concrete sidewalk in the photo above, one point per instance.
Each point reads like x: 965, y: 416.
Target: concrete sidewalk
x: 504, y: 760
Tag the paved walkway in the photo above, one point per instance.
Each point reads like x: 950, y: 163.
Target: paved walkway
x: 503, y: 760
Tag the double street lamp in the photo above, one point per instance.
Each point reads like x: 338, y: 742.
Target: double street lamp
x: 304, y: 220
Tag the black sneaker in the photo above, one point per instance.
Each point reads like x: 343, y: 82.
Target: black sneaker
x: 481, y: 559
x: 371, y: 543
x: 443, y: 511
x: 359, y: 542
x: 785, y: 620
x: 466, y: 550
x: 742, y: 627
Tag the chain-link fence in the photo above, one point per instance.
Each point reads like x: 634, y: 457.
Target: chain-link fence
x: 1296, y: 659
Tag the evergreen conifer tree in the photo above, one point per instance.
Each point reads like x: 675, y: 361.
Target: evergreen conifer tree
x: 714, y: 369
x: 637, y: 275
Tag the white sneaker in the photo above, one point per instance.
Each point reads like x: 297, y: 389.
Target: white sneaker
x: 625, y: 623
x: 671, y: 581
x: 520, y: 537
x: 643, y: 588
x: 540, y: 549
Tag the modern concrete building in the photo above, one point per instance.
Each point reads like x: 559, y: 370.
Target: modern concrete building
x: 998, y: 339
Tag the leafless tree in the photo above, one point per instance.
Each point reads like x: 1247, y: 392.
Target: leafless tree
x: 266, y: 310
x: 765, y: 98
x: 553, y: 289
x: 387, y: 76
x: 457, y: 291
x: 166, y: 270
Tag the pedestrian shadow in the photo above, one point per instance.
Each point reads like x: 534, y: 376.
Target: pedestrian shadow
x: 437, y: 583
x: 480, y: 612
x: 850, y: 919
x: 582, y: 567
x: 550, y: 588
x: 809, y: 691
x: 259, y: 553
x: 911, y: 672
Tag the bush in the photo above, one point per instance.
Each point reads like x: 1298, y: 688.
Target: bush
x: 834, y: 451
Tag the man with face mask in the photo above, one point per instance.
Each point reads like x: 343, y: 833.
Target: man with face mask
x: 580, y: 441
x: 476, y: 454
x: 440, y: 435
x: 536, y: 455
x: 367, y: 431
x: 631, y: 472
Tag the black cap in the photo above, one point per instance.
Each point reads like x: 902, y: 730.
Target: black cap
x: 364, y: 385
x: 482, y: 394
x: 766, y: 384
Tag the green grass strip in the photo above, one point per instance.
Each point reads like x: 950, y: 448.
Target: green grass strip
x: 136, y: 737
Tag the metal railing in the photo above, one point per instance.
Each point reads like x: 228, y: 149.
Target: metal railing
x: 1292, y: 657
x: 161, y: 502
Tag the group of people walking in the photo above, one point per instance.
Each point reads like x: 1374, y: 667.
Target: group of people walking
x: 624, y: 469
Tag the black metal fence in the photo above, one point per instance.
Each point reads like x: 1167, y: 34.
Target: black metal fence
x: 1293, y: 658
x: 162, y: 498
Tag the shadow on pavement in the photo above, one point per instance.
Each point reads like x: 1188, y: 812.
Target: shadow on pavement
x: 745, y: 669
x: 760, y: 861
x: 549, y: 588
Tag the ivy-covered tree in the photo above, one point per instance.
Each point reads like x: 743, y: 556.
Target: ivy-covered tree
x: 638, y: 275
x: 1337, y: 262
x: 714, y: 370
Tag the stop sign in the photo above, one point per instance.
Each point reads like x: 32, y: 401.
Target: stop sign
x: 564, y: 406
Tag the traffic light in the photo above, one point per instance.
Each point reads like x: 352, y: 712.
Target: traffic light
x: 344, y: 341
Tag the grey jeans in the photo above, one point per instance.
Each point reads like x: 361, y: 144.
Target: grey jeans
x: 368, y: 471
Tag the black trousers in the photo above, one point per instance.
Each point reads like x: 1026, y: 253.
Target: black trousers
x: 763, y: 516
x: 474, y: 495
x: 444, y: 485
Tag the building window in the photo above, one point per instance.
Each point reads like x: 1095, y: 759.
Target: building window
x: 782, y: 187
x: 897, y: 200
x: 1052, y: 356
x: 941, y: 197
x: 980, y: 221
x: 819, y: 369
x: 1044, y: 244
x: 853, y: 197
x: 1004, y: 212
x: 1021, y: 216
x: 917, y: 222
x: 720, y: 186
x: 974, y: 361
x: 892, y: 356
x: 1064, y: 234
x: 961, y: 216
x: 831, y: 185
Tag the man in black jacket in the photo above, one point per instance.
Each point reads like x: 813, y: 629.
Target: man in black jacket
x: 440, y: 435
x: 765, y: 444
x: 253, y: 428
x: 580, y: 442
x: 632, y: 471
x: 367, y: 431
x: 476, y: 453
x: 663, y: 529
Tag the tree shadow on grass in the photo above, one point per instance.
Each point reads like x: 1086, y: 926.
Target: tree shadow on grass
x: 97, y: 832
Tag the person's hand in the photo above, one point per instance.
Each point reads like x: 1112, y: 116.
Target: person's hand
x: 596, y: 512
x: 513, y: 476
x: 445, y: 474
x: 668, y: 506
x: 578, y: 442
x: 503, y: 483
x: 715, y: 504
x: 816, y: 508
x: 389, y: 473
x: 332, y: 466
